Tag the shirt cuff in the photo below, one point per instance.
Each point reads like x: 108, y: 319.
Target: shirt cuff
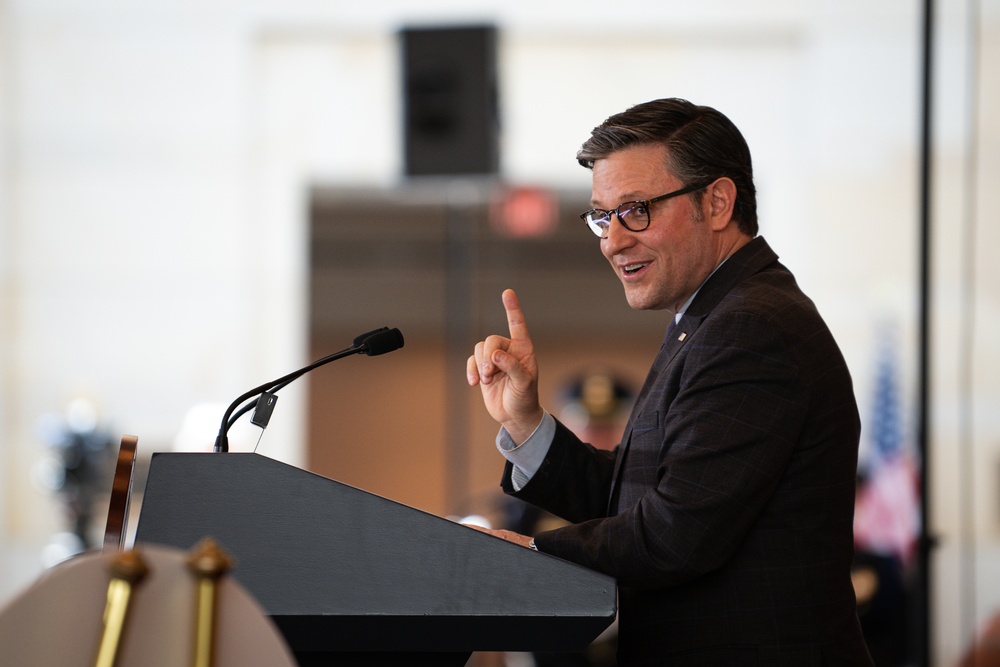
x: 527, y: 457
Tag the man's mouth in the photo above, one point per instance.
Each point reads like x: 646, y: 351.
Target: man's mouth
x: 633, y: 268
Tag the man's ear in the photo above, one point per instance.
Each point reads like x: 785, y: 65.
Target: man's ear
x: 720, y: 198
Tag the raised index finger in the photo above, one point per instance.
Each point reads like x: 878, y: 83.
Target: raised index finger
x: 515, y: 318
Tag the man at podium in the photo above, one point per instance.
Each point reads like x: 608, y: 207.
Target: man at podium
x: 726, y: 511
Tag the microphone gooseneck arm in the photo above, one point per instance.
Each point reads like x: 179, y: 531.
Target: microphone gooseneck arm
x: 356, y: 347
x: 375, y: 342
x: 222, y: 441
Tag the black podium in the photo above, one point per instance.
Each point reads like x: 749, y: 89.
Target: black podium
x: 353, y: 578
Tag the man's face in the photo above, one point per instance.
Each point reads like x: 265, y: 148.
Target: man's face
x: 661, y: 266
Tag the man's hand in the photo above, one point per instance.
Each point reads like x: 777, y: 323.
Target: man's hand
x: 505, y: 370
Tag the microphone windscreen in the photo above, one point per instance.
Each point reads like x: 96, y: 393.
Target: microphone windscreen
x: 383, y: 341
x: 360, y: 340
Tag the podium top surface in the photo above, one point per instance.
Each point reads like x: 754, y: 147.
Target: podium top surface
x: 326, y: 560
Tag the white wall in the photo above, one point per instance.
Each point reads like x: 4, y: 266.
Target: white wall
x: 155, y: 157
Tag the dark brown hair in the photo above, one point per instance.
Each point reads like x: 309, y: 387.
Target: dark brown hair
x: 702, y: 145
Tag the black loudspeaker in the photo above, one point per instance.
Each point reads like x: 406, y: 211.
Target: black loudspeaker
x: 450, y: 101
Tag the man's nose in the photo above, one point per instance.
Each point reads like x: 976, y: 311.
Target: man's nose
x: 618, y: 236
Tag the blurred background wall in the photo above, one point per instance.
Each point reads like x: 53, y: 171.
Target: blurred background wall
x: 196, y: 197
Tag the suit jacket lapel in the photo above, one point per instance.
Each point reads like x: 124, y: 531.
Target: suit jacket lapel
x: 673, y: 341
x: 746, y: 261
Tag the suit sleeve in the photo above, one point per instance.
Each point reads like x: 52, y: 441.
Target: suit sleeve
x: 710, y: 450
x: 573, y: 481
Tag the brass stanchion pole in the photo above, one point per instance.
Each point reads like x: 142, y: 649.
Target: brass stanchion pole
x: 208, y: 563
x: 127, y: 570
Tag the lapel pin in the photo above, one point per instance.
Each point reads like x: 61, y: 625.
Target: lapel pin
x: 682, y: 336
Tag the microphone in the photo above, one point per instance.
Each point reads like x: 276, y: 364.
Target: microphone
x: 381, y: 341
x: 371, y: 343
x: 383, y: 338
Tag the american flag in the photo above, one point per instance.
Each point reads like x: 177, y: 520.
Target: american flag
x: 887, y: 509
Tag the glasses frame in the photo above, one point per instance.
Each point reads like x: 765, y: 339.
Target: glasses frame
x: 644, y: 202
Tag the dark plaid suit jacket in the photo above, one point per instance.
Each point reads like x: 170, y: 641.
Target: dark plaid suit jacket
x: 726, y: 513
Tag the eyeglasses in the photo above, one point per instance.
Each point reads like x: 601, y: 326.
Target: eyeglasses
x: 634, y: 215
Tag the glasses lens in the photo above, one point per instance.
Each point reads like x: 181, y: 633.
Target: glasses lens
x: 634, y: 215
x: 598, y: 221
